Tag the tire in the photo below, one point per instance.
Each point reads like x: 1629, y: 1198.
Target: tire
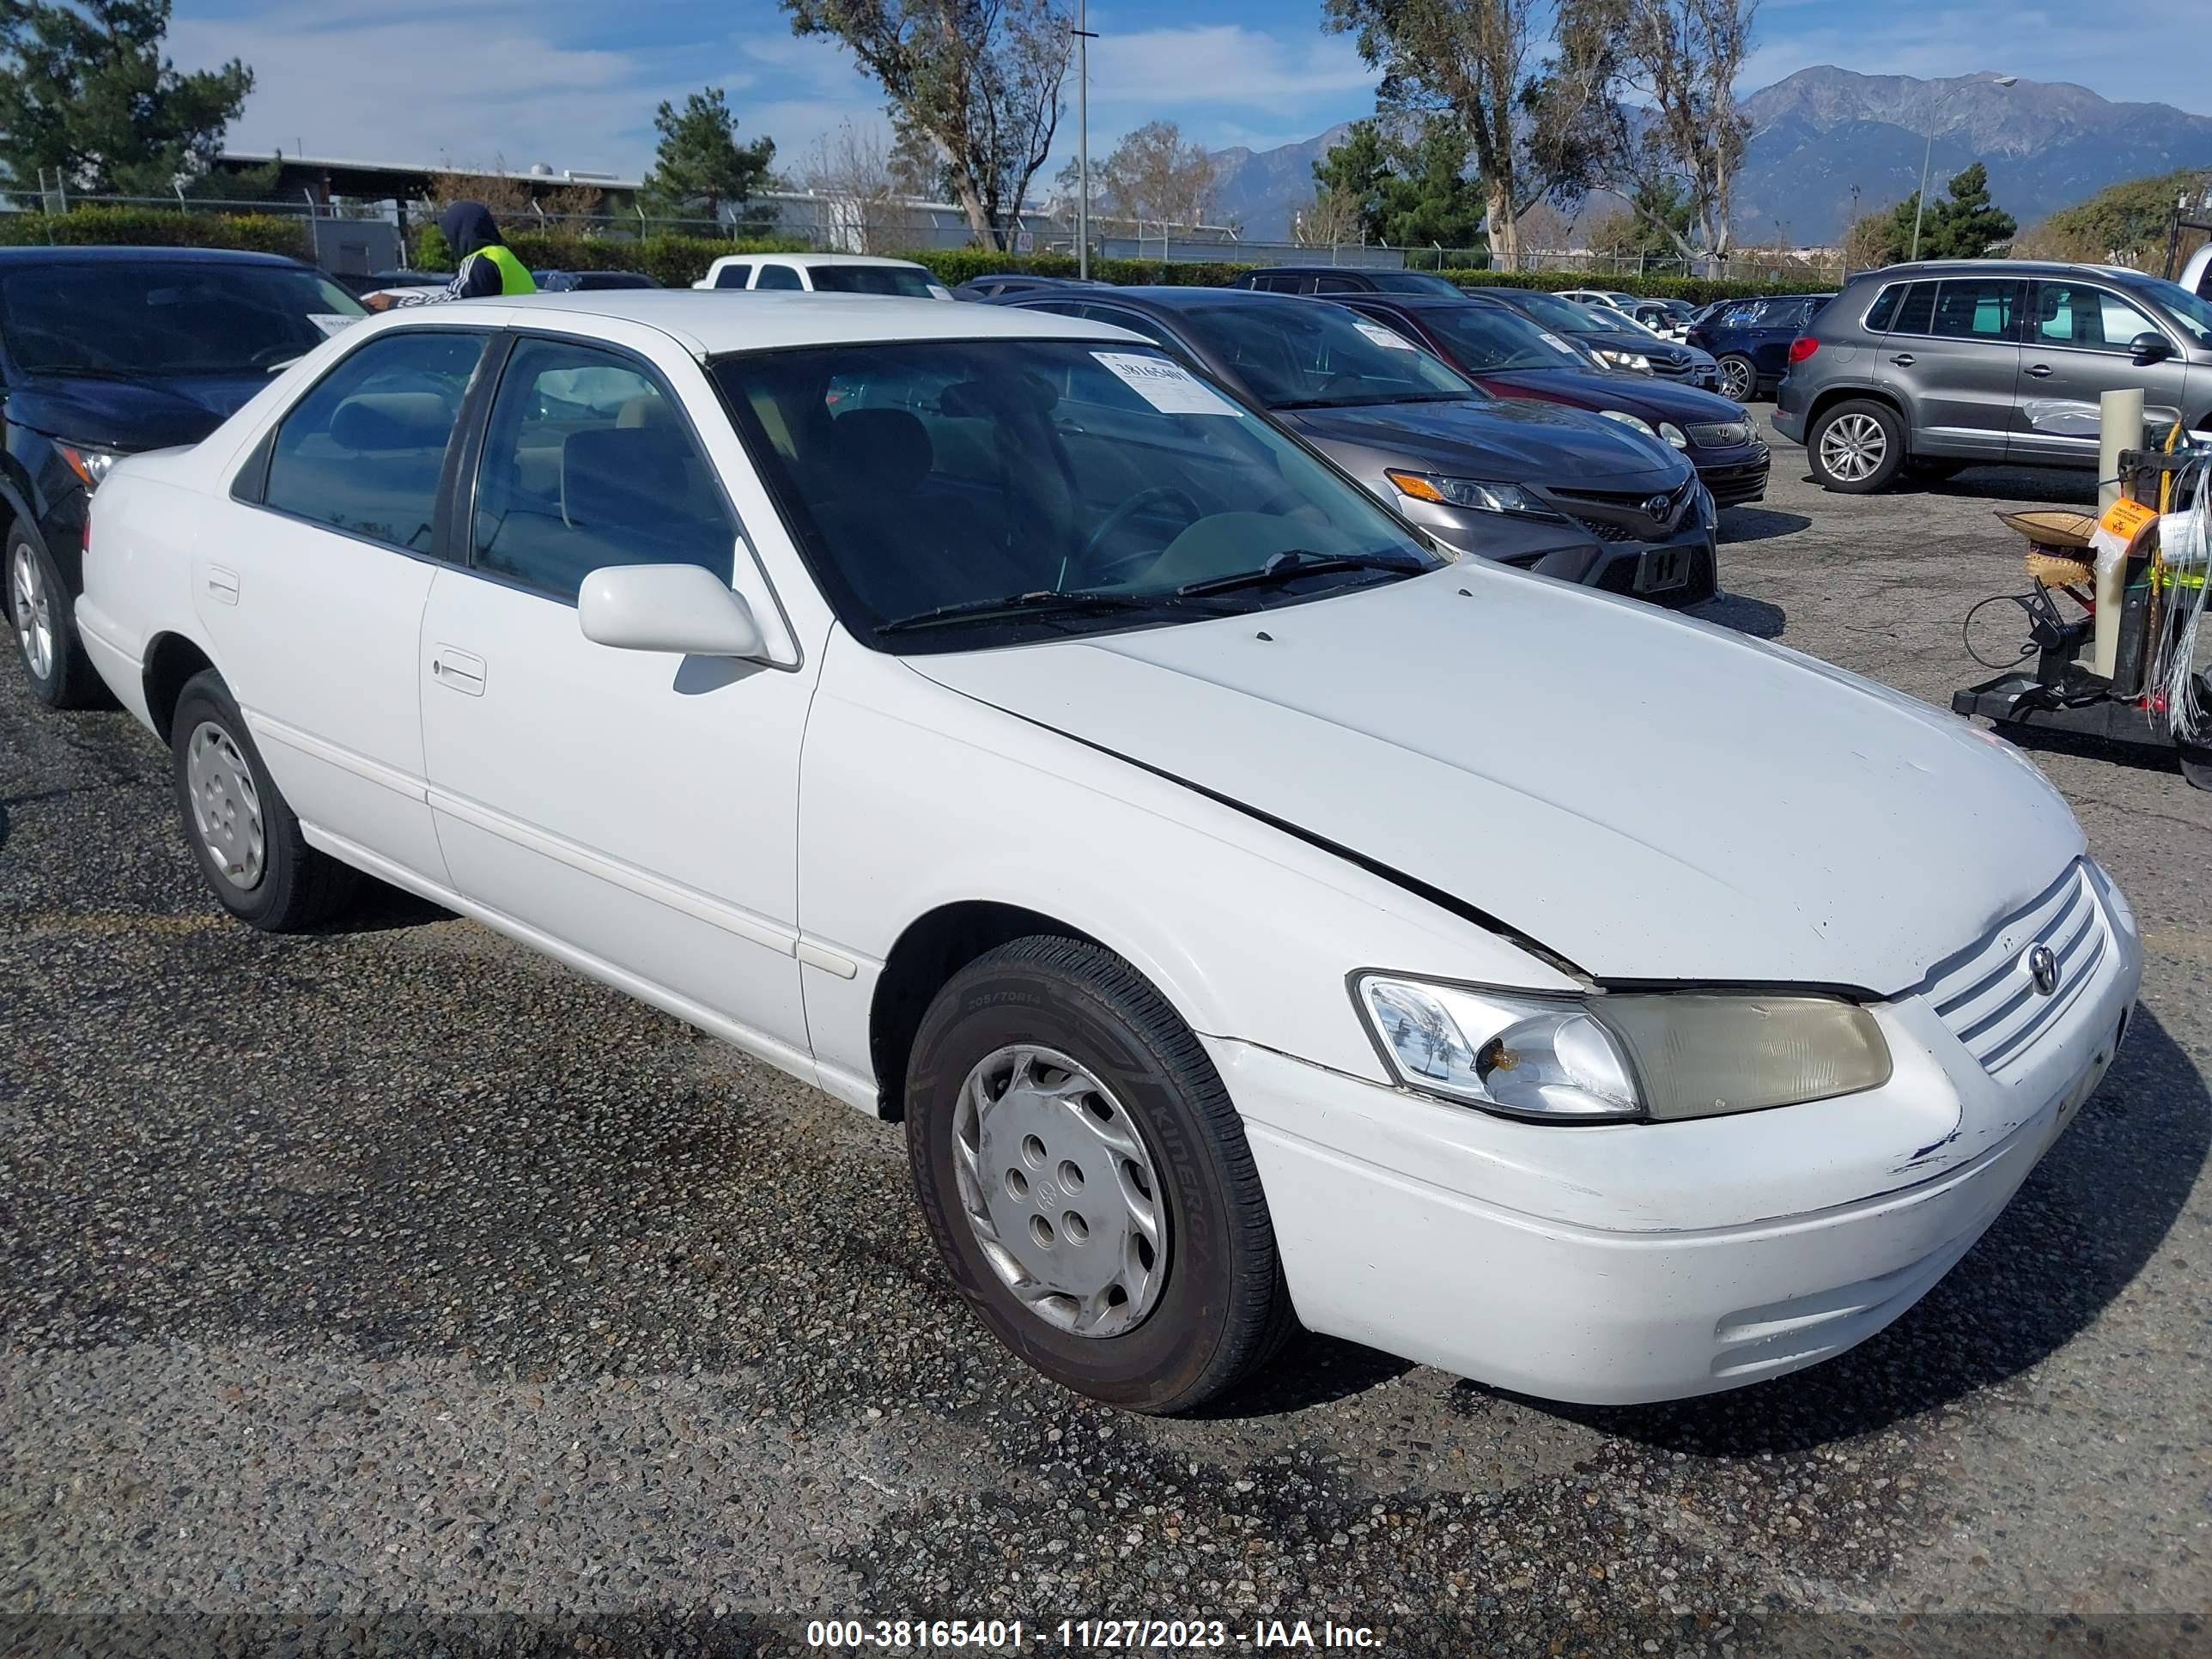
x: 1739, y: 377
x: 1856, y: 446
x: 1935, y: 469
x: 1210, y: 1306
x: 244, y: 835
x: 45, y: 632
x: 2196, y: 768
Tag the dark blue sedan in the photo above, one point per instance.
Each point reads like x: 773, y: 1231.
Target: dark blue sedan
x: 1750, y: 339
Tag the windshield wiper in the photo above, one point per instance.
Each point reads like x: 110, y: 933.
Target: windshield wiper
x: 1369, y: 400
x: 83, y: 372
x: 1298, y: 562
x: 1041, y: 602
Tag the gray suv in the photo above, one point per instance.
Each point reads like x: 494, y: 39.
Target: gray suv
x: 1927, y: 369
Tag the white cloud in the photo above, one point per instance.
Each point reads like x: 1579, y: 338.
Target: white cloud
x: 1170, y: 70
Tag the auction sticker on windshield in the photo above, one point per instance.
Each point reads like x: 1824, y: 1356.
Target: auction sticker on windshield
x: 1167, y: 387
x: 1384, y: 336
x: 331, y: 322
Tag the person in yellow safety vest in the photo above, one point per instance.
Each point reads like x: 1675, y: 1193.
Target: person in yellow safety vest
x: 488, y: 266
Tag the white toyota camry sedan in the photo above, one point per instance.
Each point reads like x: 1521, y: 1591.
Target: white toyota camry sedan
x: 1255, y: 917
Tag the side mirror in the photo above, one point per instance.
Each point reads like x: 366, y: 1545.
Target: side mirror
x: 2150, y: 347
x: 681, y: 609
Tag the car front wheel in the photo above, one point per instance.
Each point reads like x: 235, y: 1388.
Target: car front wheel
x: 1856, y: 447
x: 1088, y: 1182
x: 1739, y: 379
x: 46, y: 639
x: 247, y: 841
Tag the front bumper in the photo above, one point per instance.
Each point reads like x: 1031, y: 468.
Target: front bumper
x: 1681, y: 567
x: 1639, y: 1262
x: 1734, y: 475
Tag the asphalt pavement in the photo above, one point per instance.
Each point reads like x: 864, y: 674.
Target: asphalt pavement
x: 392, y: 1289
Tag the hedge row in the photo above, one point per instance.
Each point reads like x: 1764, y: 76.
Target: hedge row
x: 678, y: 261
x: 671, y: 260
x: 123, y: 227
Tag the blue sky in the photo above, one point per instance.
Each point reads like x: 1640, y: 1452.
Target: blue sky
x: 573, y: 82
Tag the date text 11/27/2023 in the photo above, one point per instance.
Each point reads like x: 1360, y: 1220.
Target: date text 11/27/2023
x: 1088, y: 1635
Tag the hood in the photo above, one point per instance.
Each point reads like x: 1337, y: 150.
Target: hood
x: 130, y: 414
x: 1659, y: 351
x: 1637, y: 394
x: 1651, y: 798
x: 467, y: 227
x: 1510, y: 439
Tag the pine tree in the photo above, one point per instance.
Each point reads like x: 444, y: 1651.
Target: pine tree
x: 87, y: 96
x: 701, y: 168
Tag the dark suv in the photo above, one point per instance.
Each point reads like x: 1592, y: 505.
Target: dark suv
x: 1930, y: 367
x: 107, y: 351
x: 1341, y: 279
x: 1750, y: 339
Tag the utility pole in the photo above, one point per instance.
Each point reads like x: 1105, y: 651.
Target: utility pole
x: 1083, y: 37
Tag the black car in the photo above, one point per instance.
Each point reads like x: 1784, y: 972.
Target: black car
x: 1750, y: 339
x: 1001, y: 283
x: 1503, y: 352
x: 572, y: 282
x: 1531, y: 485
x: 104, y: 351
x: 1341, y: 279
x: 1617, y: 342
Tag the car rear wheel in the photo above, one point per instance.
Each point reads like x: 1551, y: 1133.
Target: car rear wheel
x: 1856, y: 447
x: 1087, y: 1179
x: 1739, y: 377
x: 246, y: 839
x: 45, y: 638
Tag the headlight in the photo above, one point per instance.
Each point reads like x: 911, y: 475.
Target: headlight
x: 1663, y: 1056
x: 1673, y: 434
x: 90, y: 465
x: 1635, y: 360
x: 1627, y: 419
x: 1483, y: 497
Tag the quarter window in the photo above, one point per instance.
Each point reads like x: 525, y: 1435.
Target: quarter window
x: 2092, y: 318
x: 362, y: 452
x: 587, y: 463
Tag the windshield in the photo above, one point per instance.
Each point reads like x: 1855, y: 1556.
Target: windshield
x: 906, y: 282
x: 1012, y: 490
x: 2193, y: 312
x: 1552, y: 312
x: 153, y: 320
x: 1482, y: 336
x: 1628, y: 325
x: 1302, y: 354
x: 1409, y: 282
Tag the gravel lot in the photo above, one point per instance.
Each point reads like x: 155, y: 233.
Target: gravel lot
x: 396, y: 1272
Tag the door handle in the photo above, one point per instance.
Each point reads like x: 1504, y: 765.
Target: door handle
x: 1903, y: 359
x: 2041, y: 371
x: 223, y: 585
x: 457, y: 671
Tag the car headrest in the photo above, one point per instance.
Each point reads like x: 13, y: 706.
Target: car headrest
x: 393, y: 419
x: 883, y: 449
x: 645, y: 410
x: 612, y: 476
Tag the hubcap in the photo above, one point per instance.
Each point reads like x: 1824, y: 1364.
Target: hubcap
x: 1059, y: 1191
x: 1737, y: 377
x: 226, y: 808
x: 33, y: 612
x: 1852, y: 446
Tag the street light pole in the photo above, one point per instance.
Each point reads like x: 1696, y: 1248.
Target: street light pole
x: 1920, y: 201
x: 1083, y: 40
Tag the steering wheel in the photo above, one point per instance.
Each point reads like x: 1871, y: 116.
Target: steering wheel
x: 1155, y: 495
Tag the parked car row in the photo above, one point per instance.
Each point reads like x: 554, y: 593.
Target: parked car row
x: 1039, y: 730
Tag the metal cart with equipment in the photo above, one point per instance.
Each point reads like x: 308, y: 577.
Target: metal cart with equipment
x: 2134, y: 680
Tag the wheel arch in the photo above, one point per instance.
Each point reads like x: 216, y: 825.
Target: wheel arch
x: 171, y: 659
x: 933, y: 947
x: 1829, y: 398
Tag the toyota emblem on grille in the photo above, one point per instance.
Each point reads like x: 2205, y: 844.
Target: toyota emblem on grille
x: 1657, y: 505
x: 2042, y: 968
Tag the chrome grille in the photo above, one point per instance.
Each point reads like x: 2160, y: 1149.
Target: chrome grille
x: 1986, y: 994
x: 1720, y: 435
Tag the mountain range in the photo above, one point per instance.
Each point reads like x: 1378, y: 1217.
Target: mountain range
x: 1826, y: 138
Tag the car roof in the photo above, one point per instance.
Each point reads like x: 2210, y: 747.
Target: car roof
x: 709, y: 323
x: 212, y: 256
x: 1180, y: 296
x: 810, y: 259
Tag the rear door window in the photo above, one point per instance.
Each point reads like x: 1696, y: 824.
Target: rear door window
x: 778, y: 277
x: 734, y: 275
x: 1975, y: 307
x: 362, y: 452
